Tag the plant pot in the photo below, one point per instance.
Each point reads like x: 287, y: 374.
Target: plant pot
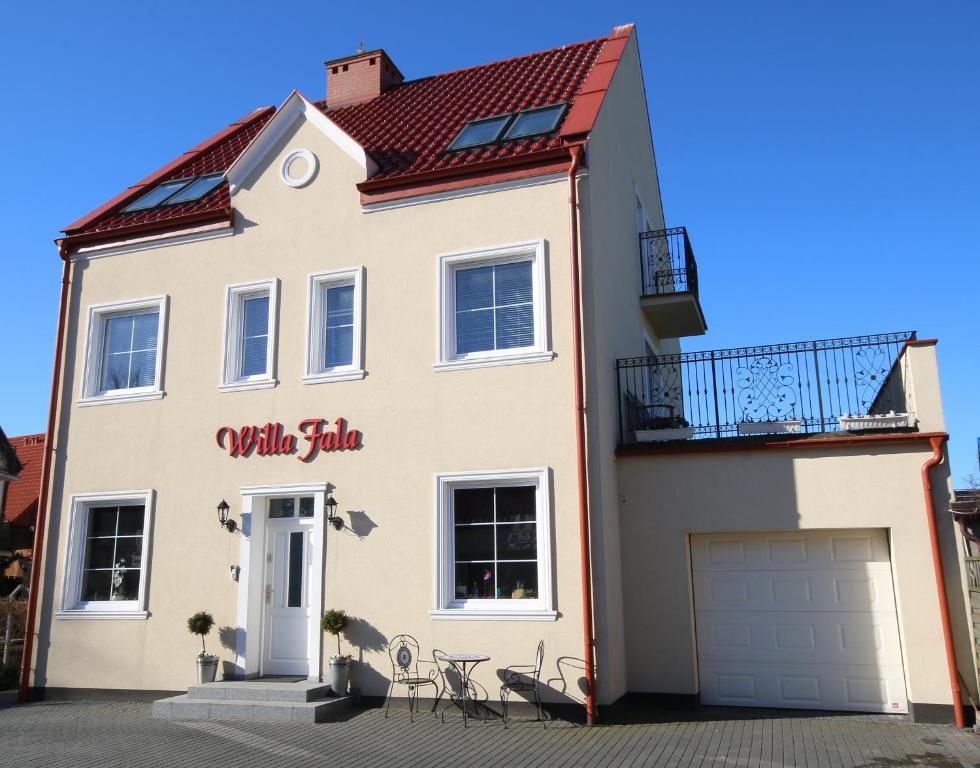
x: 207, y: 668
x: 785, y: 427
x: 890, y: 420
x: 339, y: 676
x: 656, y: 435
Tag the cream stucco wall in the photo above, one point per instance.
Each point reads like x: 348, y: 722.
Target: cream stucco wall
x: 621, y: 167
x: 415, y: 422
x: 667, y: 498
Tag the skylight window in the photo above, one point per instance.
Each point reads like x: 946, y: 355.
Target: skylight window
x: 478, y: 132
x: 196, y: 189
x: 174, y: 192
x: 156, y: 196
x: 535, y: 122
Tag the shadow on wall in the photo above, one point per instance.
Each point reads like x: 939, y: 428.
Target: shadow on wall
x: 361, y: 524
x: 365, y: 637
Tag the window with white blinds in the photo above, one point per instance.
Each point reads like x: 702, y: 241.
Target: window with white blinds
x: 493, y: 307
x: 334, y: 340
x: 124, y: 351
x: 129, y: 357
x: 250, y: 335
x: 255, y: 336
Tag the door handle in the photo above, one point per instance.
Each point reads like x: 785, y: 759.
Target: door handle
x: 268, y: 593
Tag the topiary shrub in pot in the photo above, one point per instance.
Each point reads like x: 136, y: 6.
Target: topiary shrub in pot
x: 207, y: 665
x: 335, y: 622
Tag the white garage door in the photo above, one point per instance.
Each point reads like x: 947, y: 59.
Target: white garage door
x: 804, y: 619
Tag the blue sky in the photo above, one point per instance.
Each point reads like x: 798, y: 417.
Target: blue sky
x: 825, y: 157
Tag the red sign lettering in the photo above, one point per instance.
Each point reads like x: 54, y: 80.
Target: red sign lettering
x: 271, y: 439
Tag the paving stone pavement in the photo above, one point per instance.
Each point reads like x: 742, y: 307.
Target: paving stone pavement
x: 81, y: 734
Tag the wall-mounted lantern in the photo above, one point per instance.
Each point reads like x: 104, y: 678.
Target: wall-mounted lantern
x: 223, y: 521
x: 331, y: 508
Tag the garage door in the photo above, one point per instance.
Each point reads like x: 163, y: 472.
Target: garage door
x: 804, y: 619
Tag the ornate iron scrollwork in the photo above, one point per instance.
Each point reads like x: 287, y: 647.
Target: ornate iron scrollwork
x: 766, y: 390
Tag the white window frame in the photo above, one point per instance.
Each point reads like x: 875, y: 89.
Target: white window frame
x: 235, y: 296
x: 449, y: 263
x: 90, y: 392
x: 78, y: 514
x: 447, y: 606
x: 315, y: 371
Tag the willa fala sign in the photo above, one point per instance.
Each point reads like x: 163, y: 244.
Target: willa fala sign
x: 272, y: 439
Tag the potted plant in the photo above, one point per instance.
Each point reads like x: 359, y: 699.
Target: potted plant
x: 207, y: 665
x: 335, y: 622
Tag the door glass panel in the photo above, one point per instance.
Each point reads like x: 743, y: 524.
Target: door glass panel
x: 294, y: 594
x: 280, y: 508
x: 306, y: 506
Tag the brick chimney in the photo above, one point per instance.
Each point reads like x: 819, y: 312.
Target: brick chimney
x: 360, y: 77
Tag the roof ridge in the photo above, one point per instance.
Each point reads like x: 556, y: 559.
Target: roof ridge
x: 509, y: 59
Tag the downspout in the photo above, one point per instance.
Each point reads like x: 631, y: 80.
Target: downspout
x: 583, y: 499
x: 42, y: 502
x: 954, y: 683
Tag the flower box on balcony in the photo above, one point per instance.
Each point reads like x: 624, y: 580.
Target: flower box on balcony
x: 659, y: 435
x: 890, y: 420
x: 784, y: 427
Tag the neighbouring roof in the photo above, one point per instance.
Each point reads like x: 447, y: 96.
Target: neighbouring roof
x: 20, y: 500
x: 9, y: 465
x: 406, y: 131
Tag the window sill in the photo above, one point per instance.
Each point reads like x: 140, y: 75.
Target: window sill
x: 490, y: 361
x: 514, y: 614
x: 85, y: 614
x: 239, y: 386
x: 342, y: 375
x: 123, y: 397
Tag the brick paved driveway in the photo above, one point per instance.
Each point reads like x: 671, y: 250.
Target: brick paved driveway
x: 77, y: 735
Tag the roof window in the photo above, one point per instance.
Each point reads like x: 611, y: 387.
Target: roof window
x: 535, y: 122
x: 177, y: 191
x: 476, y: 133
x: 539, y: 121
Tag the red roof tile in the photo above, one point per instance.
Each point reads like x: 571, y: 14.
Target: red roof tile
x: 20, y: 500
x: 405, y: 129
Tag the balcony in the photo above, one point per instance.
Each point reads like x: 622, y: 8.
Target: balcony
x: 669, y: 272
x: 851, y: 384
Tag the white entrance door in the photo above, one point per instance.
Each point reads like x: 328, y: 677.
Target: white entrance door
x: 288, y: 574
x: 804, y: 620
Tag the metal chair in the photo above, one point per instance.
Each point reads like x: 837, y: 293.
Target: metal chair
x: 516, y: 681
x: 403, y: 652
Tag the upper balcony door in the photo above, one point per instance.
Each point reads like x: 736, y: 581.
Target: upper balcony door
x: 288, y: 578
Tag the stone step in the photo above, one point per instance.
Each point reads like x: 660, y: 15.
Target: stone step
x: 260, y: 690
x: 184, y: 707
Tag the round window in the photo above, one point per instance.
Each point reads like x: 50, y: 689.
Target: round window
x: 298, y: 167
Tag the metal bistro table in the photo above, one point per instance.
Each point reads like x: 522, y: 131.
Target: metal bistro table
x: 459, y: 662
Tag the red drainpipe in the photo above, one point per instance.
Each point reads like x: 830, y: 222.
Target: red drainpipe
x: 583, y: 498
x: 42, y: 502
x: 954, y: 683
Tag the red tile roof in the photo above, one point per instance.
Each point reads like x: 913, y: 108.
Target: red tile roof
x: 405, y: 130
x: 20, y: 500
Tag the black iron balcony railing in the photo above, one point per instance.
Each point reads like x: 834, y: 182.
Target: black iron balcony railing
x: 803, y: 387
x: 667, y: 262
